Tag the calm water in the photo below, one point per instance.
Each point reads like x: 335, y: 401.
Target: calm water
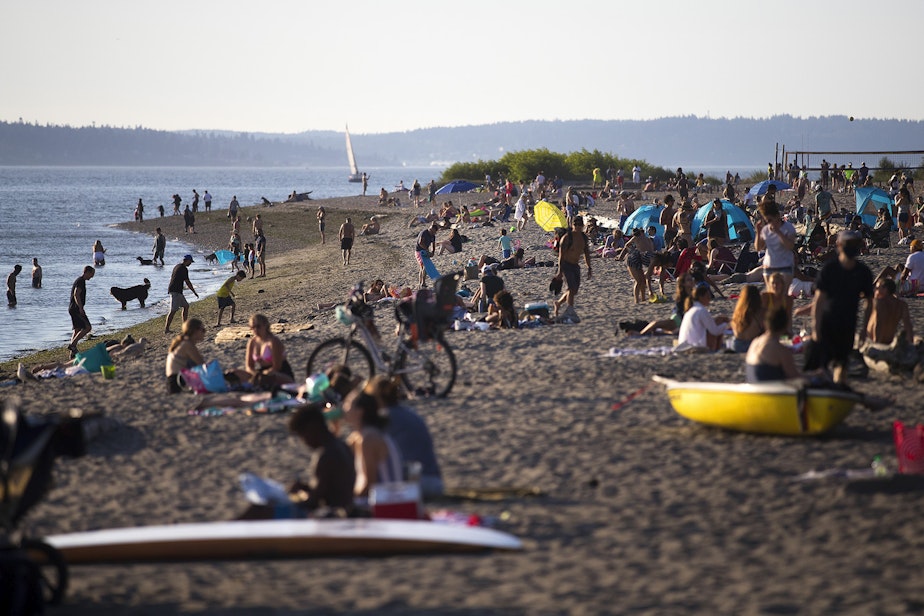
x: 56, y: 214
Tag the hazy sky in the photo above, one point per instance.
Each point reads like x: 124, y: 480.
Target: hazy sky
x: 393, y: 65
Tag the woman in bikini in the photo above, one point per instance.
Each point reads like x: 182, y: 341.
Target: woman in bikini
x: 266, y: 364
x: 637, y: 252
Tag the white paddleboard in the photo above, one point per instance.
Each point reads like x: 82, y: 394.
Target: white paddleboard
x: 276, y: 539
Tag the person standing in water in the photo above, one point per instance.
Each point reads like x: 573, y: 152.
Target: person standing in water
x: 11, y: 285
x: 36, y: 274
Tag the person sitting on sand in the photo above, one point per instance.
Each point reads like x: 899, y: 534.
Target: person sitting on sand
x: 376, y: 457
x: 383, y: 196
x: 265, y: 365
x: 464, y: 216
x: 491, y: 283
x: 376, y: 292
x: 183, y: 353
x: 685, y: 284
x: 501, y: 314
x: 887, y: 314
x: 329, y: 491
x: 767, y: 359
x: 370, y: 228
x: 699, y: 329
x: 686, y: 257
x: 410, y: 434
x: 747, y: 319
x: 612, y: 244
x: 777, y: 296
x: 517, y: 260
x: 451, y: 245
x: 912, y: 277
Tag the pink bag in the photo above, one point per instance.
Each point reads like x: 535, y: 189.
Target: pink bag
x: 909, y: 447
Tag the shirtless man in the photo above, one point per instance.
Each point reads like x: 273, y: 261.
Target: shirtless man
x: 11, y: 285
x: 666, y: 220
x: 573, y: 245
x: 888, y: 312
x: 683, y: 220
x: 36, y: 274
x: 347, y: 233
x: 321, y: 221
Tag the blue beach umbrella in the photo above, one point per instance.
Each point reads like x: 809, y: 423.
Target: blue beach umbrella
x: 740, y: 228
x: 761, y: 187
x: 869, y: 200
x: 457, y: 186
x: 643, y: 217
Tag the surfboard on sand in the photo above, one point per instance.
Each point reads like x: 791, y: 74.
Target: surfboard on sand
x: 276, y: 539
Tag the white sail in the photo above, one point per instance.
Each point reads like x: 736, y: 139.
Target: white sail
x: 355, y: 176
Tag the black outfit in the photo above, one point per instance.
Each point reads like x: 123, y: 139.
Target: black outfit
x: 78, y: 290
x: 838, y: 323
x: 178, y: 278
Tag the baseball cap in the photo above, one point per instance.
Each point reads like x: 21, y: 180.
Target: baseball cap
x: 188, y: 258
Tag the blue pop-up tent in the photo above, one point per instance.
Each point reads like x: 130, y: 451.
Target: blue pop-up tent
x: 740, y: 228
x: 869, y: 200
x: 456, y: 186
x: 643, y: 217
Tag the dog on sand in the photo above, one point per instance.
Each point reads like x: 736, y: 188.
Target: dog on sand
x: 131, y: 351
x: 211, y: 259
x: 125, y: 295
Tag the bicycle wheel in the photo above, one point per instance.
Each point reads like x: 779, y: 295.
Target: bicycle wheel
x: 51, y: 567
x: 428, y: 370
x: 342, y: 351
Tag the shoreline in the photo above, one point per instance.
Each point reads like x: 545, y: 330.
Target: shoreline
x: 640, y: 508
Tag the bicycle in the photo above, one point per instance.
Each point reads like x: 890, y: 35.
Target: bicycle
x: 422, y: 358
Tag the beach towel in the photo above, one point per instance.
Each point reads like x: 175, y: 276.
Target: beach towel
x: 92, y: 359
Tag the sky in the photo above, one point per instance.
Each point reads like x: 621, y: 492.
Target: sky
x: 287, y: 66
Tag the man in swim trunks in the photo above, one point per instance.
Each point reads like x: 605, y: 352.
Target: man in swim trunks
x: 79, y: 320
x: 572, y: 246
x: 347, y: 233
x: 178, y: 279
x: 841, y: 284
x: 321, y: 215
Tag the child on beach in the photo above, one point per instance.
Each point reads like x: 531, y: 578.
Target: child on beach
x: 505, y: 244
x: 225, y: 295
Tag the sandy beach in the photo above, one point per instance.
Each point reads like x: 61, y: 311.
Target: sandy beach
x: 641, y: 511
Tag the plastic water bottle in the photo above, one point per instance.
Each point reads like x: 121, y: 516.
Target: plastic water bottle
x: 879, y: 467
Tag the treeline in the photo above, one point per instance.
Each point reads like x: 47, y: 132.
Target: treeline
x: 33, y: 144
x: 576, y: 166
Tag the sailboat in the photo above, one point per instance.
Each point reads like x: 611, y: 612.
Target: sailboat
x: 355, y: 175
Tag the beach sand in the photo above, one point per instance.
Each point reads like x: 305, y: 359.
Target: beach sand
x: 641, y: 512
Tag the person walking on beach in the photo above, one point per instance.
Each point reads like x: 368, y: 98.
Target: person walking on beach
x: 160, y: 244
x: 347, y: 234
x: 321, y: 224
x: 426, y: 246
x: 36, y: 274
x: 79, y: 321
x: 260, y: 250
x: 233, y: 208
x: 415, y: 188
x: 225, y: 295
x: 573, y: 244
x: 189, y: 220
x: 11, y: 285
x: 178, y: 279
x: 177, y: 200
x: 257, y: 225
x: 207, y: 199
x: 841, y: 284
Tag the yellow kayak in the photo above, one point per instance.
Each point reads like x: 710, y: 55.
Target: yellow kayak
x: 779, y: 407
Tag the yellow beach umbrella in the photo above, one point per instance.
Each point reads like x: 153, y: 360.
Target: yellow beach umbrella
x: 548, y: 216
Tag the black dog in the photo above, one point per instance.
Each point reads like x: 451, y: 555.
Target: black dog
x: 144, y: 261
x: 211, y: 258
x: 139, y: 292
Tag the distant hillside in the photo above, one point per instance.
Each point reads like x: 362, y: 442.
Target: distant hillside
x: 667, y: 142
